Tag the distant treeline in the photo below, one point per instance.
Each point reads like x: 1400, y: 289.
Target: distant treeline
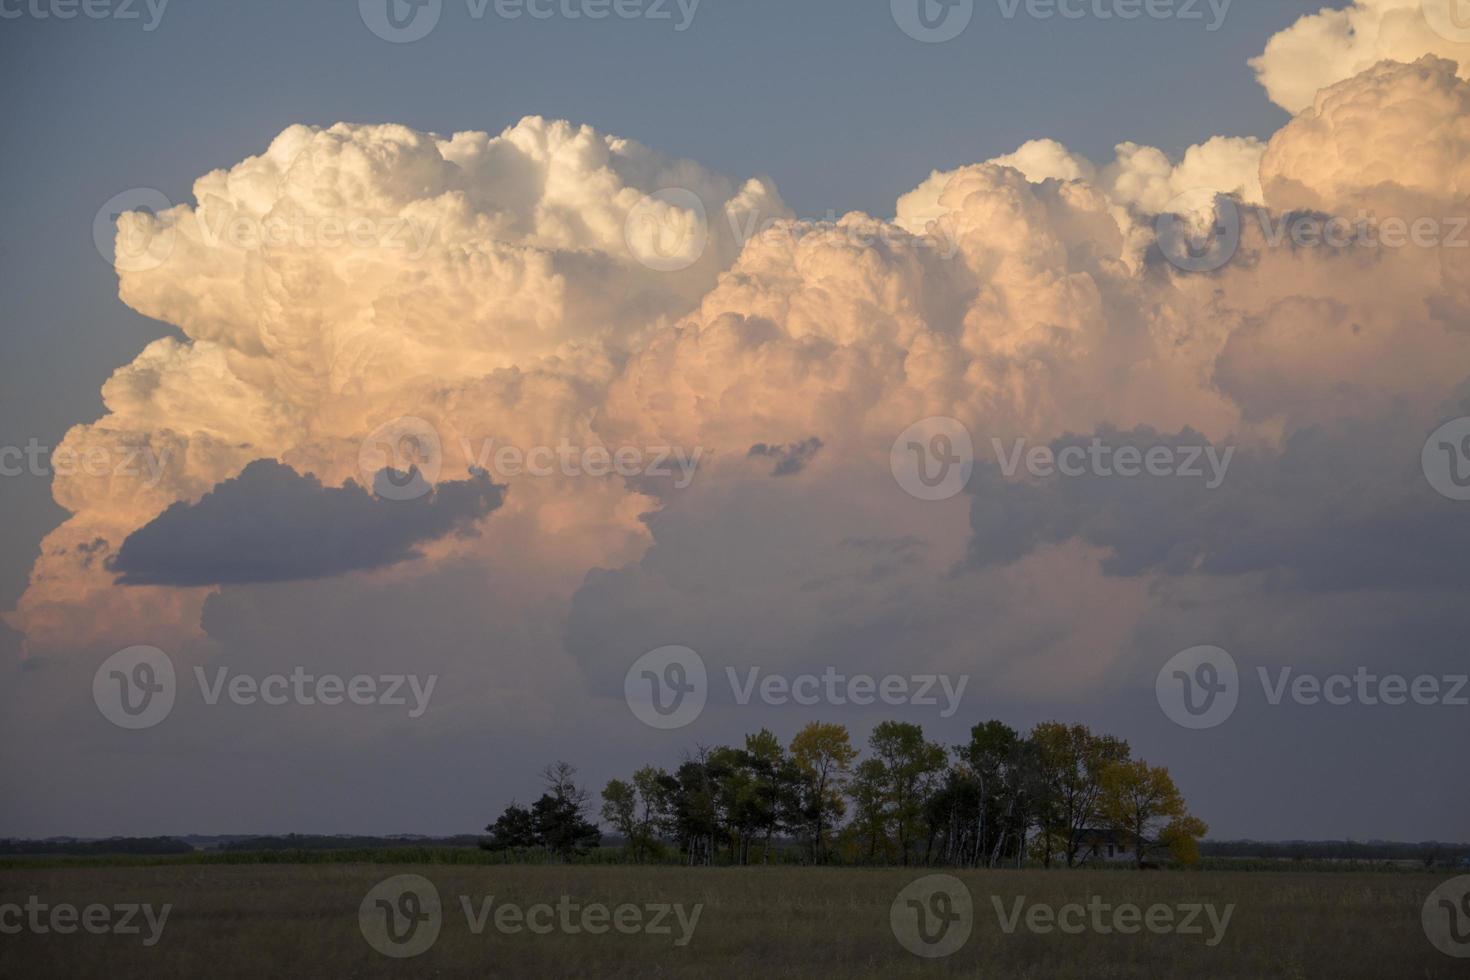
x: 1428, y: 852
x: 112, y: 845
x: 343, y: 842
x: 461, y: 849
x: 236, y: 845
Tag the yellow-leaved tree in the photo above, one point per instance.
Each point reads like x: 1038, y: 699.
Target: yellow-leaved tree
x: 1142, y: 802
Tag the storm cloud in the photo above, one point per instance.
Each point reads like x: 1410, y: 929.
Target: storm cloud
x: 272, y: 524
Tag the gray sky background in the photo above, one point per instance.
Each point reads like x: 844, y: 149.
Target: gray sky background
x: 829, y: 100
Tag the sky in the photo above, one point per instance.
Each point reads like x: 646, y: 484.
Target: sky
x: 1027, y: 299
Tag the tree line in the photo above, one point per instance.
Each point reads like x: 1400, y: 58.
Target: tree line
x: 999, y: 799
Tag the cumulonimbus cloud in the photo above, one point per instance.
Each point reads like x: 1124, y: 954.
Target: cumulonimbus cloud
x: 1335, y: 44
x: 553, y: 284
x: 271, y: 524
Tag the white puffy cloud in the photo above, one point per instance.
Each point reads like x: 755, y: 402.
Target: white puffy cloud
x: 500, y: 288
x: 1332, y: 45
x: 354, y: 274
x: 1139, y: 176
x: 1395, y: 138
x: 1143, y: 176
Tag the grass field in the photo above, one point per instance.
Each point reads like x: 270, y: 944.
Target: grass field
x: 283, y: 920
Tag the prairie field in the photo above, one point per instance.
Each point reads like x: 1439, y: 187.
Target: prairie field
x: 302, y: 920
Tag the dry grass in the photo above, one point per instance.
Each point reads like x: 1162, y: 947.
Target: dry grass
x: 289, y: 921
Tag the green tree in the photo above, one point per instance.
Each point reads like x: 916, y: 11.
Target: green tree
x: 620, y: 809
x: 823, y: 756
x: 695, y: 807
x: 992, y: 747
x: 560, y: 816
x: 1072, y: 760
x: 777, y: 786
x: 512, y: 830
x: 911, y: 767
x: 736, y: 799
x: 655, y: 807
x: 869, y: 793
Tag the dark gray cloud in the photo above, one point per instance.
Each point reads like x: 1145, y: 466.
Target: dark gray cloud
x: 272, y: 524
x: 1337, y: 508
x: 790, y: 458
